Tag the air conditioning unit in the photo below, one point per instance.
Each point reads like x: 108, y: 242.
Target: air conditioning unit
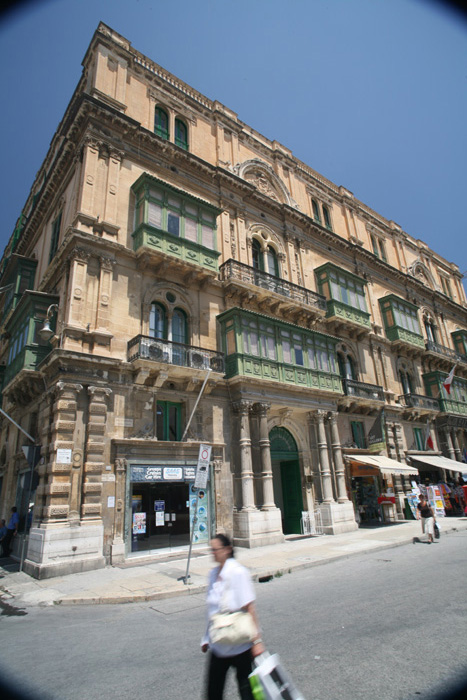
x: 156, y: 353
x: 198, y: 360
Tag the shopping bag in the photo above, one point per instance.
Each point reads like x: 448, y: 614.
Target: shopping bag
x: 269, y: 680
x: 437, y: 531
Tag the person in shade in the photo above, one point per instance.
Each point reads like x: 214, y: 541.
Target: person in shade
x: 427, y: 517
x: 229, y: 583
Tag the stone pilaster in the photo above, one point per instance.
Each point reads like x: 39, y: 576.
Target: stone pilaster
x: 455, y: 441
x: 105, y: 292
x: 118, y: 542
x: 63, y: 479
x: 339, y: 467
x: 452, y: 453
x: 95, y: 446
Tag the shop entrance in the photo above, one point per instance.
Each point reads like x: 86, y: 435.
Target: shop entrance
x: 365, y: 492
x: 286, y: 479
x: 160, y: 515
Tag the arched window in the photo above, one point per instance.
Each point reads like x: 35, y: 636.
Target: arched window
x: 272, y: 264
x: 346, y: 366
x: 326, y: 217
x: 158, y: 322
x: 406, y: 381
x: 429, y: 329
x: 161, y: 123
x: 179, y: 326
x: 181, y: 134
x: 257, y: 255
x: 315, y: 207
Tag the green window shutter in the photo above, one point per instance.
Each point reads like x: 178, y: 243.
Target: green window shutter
x: 55, y: 236
x: 168, y: 421
x: 181, y: 134
x: 358, y: 433
x: 161, y: 123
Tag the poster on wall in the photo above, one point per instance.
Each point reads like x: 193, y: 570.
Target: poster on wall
x: 159, y: 518
x: 200, y: 528
x: 435, y: 499
x: 139, y: 523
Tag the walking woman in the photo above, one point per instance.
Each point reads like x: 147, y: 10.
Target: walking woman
x: 229, y: 585
x: 428, y: 518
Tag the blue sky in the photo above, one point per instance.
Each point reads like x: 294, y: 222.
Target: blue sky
x: 370, y: 93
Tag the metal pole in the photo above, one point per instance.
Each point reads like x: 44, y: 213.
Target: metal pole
x: 16, y: 425
x: 196, y: 404
x: 195, y: 519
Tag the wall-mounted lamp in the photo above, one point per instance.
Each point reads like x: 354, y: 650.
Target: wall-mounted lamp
x: 46, y: 333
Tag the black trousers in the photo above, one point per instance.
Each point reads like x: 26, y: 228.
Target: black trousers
x: 218, y: 667
x: 7, y: 542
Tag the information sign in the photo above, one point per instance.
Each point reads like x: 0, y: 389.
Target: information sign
x: 202, y: 470
x: 139, y: 523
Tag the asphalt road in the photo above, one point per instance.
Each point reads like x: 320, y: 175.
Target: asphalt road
x: 390, y: 625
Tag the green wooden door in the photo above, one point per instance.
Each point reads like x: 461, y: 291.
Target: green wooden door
x: 292, y: 496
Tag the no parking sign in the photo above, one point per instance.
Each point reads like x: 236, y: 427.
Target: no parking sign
x: 202, y: 470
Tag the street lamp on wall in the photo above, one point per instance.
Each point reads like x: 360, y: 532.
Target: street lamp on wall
x: 46, y: 333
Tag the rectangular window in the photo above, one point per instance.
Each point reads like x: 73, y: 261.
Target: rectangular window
x: 168, y: 421
x: 173, y: 223
x: 207, y: 236
x: 191, y: 230
x: 154, y: 214
x: 358, y: 434
x: 418, y: 437
x: 55, y: 236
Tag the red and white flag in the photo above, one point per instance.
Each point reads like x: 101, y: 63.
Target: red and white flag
x: 428, y: 439
x: 448, y: 381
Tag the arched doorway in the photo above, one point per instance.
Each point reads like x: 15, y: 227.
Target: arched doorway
x: 286, y: 479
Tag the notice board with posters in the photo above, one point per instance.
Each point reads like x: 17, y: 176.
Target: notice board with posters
x: 436, y: 501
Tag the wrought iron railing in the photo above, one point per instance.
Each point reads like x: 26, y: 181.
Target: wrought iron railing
x: 158, y: 350
x: 431, y: 346
x: 363, y: 390
x: 232, y: 269
x: 419, y: 401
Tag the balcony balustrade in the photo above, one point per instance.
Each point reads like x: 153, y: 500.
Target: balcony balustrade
x: 361, y: 390
x: 455, y: 407
x: 419, y: 401
x: 158, y: 350
x: 438, y: 349
x: 233, y: 270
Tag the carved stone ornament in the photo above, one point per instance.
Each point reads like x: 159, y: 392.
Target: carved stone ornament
x: 264, y: 178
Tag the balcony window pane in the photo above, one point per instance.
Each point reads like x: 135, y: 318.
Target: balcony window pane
x: 173, y: 224
x: 154, y: 214
x: 207, y: 234
x: 191, y: 230
x: 231, y: 346
x: 268, y: 347
x: 174, y: 202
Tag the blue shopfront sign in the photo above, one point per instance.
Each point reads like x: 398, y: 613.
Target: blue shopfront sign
x: 147, y: 474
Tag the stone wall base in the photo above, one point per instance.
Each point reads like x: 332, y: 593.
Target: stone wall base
x: 337, y: 518
x: 59, y: 549
x: 117, y: 552
x: 257, y: 528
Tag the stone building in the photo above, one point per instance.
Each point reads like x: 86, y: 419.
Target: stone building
x: 177, y: 279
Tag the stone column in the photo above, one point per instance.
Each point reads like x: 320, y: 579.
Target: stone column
x: 95, y: 445
x: 452, y: 453
x: 338, y: 460
x: 390, y: 442
x: 455, y: 440
x: 242, y: 408
x: 326, y: 480
x: 399, y: 494
x: 265, y: 447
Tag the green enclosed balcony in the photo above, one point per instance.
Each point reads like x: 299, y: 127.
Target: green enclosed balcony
x: 17, y: 278
x: 174, y: 225
x: 455, y: 402
x: 345, y: 295
x: 400, y: 319
x: 26, y: 349
x: 259, y: 347
x: 459, y: 338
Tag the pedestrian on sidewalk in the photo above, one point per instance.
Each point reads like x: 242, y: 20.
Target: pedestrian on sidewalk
x: 425, y: 513
x: 12, y: 530
x: 229, y: 585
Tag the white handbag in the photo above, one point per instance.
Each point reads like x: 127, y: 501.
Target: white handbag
x: 232, y: 628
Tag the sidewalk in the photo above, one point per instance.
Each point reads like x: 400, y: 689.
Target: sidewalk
x: 158, y: 578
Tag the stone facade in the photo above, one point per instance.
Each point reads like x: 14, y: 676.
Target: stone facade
x: 204, y: 286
